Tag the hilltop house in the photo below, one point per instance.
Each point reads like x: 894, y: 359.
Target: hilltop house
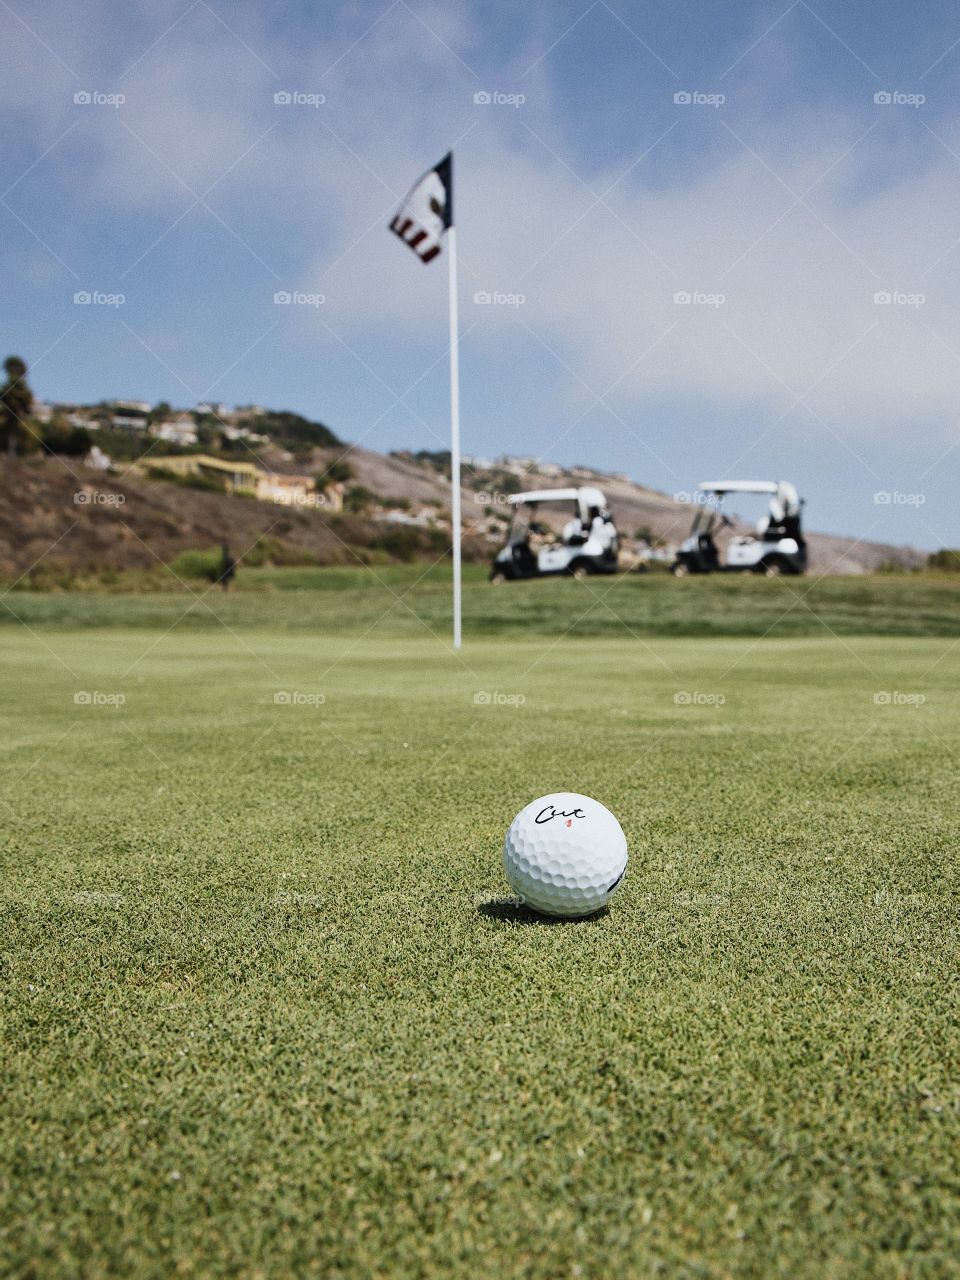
x: 178, y: 428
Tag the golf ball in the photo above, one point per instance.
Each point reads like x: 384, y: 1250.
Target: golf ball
x: 565, y: 854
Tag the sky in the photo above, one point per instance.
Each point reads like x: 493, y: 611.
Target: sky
x: 696, y: 241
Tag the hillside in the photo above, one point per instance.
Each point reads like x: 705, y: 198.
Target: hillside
x: 634, y: 507
x: 55, y: 521
x: 58, y: 515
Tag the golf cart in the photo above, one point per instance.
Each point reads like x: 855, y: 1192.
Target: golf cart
x: 776, y: 547
x: 588, y: 542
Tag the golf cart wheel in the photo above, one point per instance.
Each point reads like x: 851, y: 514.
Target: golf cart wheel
x: 773, y: 569
x: 680, y: 570
x: 579, y: 572
x: 497, y: 578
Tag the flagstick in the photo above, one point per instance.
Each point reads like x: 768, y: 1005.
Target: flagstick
x: 454, y: 433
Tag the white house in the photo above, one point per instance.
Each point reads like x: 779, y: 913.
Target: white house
x: 137, y: 406
x: 129, y: 422
x: 179, y: 430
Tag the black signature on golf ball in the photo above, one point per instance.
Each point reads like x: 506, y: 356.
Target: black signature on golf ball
x: 549, y: 813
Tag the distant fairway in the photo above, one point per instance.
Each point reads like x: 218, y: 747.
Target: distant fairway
x: 414, y: 601
x: 267, y: 1013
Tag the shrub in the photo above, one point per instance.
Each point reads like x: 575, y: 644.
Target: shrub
x: 275, y: 551
x: 339, y: 471
x: 405, y: 543
x: 946, y: 561
x: 360, y: 498
x: 59, y: 437
x: 204, y: 565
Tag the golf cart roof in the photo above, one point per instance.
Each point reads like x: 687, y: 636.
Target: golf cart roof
x: 591, y: 497
x: 785, y: 501
x: 739, y: 486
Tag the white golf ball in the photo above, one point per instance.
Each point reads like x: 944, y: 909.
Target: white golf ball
x: 565, y: 855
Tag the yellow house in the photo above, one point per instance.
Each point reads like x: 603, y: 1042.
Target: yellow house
x: 238, y: 477
x: 247, y: 477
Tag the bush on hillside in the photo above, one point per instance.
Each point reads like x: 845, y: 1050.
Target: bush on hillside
x: 359, y: 498
x: 202, y: 565
x: 406, y: 543
x: 945, y: 561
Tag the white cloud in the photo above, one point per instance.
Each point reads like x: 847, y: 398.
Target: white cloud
x: 798, y: 304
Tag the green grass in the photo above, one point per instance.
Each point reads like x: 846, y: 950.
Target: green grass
x: 267, y: 1013
x: 413, y: 600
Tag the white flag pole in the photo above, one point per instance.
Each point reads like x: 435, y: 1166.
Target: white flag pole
x: 454, y: 432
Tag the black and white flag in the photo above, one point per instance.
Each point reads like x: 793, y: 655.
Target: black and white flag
x: 427, y: 211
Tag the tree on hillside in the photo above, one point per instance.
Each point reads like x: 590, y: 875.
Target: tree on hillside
x: 16, y: 403
x: 60, y: 437
x: 299, y: 435
x: 946, y: 560
x: 359, y: 499
x: 338, y: 472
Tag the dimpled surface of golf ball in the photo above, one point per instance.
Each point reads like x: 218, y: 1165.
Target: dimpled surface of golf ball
x: 565, y: 855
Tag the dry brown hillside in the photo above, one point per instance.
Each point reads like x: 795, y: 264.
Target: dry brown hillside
x: 58, y: 512
x: 61, y: 514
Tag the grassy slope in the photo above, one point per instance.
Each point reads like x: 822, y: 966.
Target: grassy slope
x: 404, y: 600
x: 264, y: 1014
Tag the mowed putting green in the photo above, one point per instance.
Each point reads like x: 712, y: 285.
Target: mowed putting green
x: 268, y: 1010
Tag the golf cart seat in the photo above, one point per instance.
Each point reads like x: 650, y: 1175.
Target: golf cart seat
x: 573, y: 534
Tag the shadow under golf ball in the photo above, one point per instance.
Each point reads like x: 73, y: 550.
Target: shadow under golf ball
x: 512, y: 911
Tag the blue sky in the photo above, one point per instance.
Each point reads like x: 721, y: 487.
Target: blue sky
x: 784, y: 199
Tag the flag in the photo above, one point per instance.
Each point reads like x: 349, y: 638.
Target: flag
x: 427, y: 211
x: 425, y: 216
